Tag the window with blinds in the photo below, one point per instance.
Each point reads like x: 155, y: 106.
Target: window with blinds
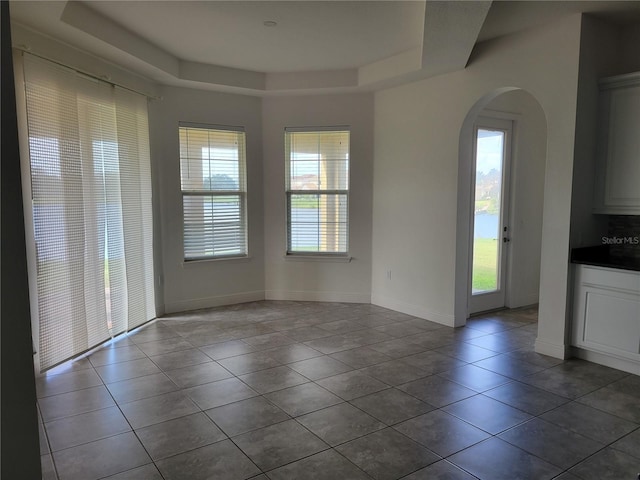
x: 213, y: 180
x: 317, y: 189
x: 91, y: 209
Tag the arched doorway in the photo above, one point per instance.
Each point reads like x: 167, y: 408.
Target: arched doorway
x: 521, y: 272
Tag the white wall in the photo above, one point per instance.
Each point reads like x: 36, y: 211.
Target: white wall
x: 527, y: 193
x: 417, y: 130
x: 313, y: 279
x: 215, y: 282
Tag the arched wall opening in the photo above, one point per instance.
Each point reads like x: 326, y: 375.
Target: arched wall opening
x: 528, y: 159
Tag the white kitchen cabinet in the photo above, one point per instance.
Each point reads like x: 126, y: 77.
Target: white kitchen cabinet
x: 617, y: 189
x: 606, y: 311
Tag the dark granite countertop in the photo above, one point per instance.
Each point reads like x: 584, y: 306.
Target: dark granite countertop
x: 601, y: 256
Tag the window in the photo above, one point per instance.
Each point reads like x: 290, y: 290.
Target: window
x: 317, y: 183
x: 212, y: 173
x: 90, y: 209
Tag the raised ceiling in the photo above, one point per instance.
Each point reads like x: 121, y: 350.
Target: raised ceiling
x: 315, y: 46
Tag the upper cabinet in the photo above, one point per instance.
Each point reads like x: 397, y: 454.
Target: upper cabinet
x: 617, y: 189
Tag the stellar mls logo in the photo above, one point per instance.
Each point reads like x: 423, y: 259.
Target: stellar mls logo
x: 621, y: 240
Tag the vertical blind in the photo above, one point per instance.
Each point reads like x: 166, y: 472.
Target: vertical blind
x: 317, y: 185
x: 91, y: 200
x: 213, y: 179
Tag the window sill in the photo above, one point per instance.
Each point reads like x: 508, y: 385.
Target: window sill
x: 318, y: 258
x: 204, y: 261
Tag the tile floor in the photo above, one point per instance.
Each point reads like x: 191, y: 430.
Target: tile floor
x: 296, y: 390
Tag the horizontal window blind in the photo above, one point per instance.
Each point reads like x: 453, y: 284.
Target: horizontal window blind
x: 317, y: 182
x: 91, y: 200
x: 213, y: 181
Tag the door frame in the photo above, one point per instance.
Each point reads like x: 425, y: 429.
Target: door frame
x: 493, y: 300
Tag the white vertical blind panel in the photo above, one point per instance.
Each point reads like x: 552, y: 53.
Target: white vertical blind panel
x: 92, y: 209
x: 58, y: 208
x: 213, y: 179
x: 137, y: 220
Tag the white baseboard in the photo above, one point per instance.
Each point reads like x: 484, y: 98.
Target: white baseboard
x: 217, y: 301
x: 623, y: 364
x: 313, y: 296
x: 412, y: 309
x: 552, y: 349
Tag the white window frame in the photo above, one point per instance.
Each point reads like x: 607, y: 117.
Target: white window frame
x: 289, y: 192
x: 241, y: 193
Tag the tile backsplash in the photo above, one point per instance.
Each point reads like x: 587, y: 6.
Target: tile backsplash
x: 624, y: 235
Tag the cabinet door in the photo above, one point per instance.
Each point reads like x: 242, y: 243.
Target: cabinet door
x: 622, y: 187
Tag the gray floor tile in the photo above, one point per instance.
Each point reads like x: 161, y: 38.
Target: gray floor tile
x: 302, y: 399
x: 180, y: 359
x: 48, y: 469
x: 629, y: 444
x: 161, y: 408
x: 75, y: 403
x: 167, y: 345
x: 305, y: 334
x: 340, y: 423
x: 592, y: 423
x: 387, y: 454
x: 101, y: 458
x: 441, y: 470
x: 527, y: 398
x: 400, y: 329
x: 219, y: 461
x: 509, y: 366
x: 141, y: 387
x: 115, y: 354
x: 219, y: 393
x: 272, y: 379
x: 151, y: 333
x: 475, y: 378
x: 246, y: 415
x: 327, y: 465
x: 513, y: 463
x: 487, y: 414
x: 608, y: 464
x: 320, y: 367
x: 394, y: 372
x: 334, y: 344
x: 146, y: 472
x: 554, y: 444
x: 360, y: 357
x: 231, y: 348
x: 87, y: 427
x: 466, y: 352
x: 614, y: 402
x: 279, y: 444
x: 351, y: 385
x: 433, y: 362
x: 397, y: 348
x: 250, y: 362
x: 198, y: 374
x: 48, y: 385
x: 117, y: 372
x: 340, y: 326
x: 179, y: 435
x: 441, y: 433
x: 269, y: 340
x: 437, y: 391
x: 288, y: 354
x: 392, y: 406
